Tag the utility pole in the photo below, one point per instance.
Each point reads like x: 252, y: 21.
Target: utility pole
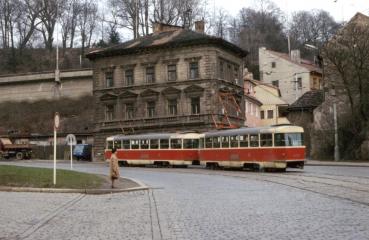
x: 336, y: 147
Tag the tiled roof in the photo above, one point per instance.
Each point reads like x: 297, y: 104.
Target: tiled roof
x: 308, y: 100
x: 304, y: 63
x: 171, y: 38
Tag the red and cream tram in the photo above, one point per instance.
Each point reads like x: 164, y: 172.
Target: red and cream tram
x: 276, y: 147
x: 256, y: 148
x: 159, y: 149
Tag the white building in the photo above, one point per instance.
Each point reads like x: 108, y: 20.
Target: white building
x: 291, y: 74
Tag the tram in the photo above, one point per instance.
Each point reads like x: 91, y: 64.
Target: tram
x: 156, y: 148
x: 275, y: 147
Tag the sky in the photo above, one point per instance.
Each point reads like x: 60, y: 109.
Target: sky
x: 339, y: 9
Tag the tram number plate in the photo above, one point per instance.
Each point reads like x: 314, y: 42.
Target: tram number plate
x: 234, y: 157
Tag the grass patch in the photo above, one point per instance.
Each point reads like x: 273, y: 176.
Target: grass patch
x: 15, y: 176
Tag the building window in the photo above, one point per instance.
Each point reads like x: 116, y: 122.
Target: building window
x: 151, y: 109
x: 172, y: 106
x: 129, y: 77
x: 195, y: 105
x: 109, y: 79
x: 150, y: 74
x: 194, y: 70
x: 172, y: 72
x: 270, y: 114
x: 221, y: 69
x: 274, y: 64
x: 109, y: 112
x: 299, y: 83
x: 275, y: 83
x: 130, y: 111
x: 236, y: 75
x: 262, y: 116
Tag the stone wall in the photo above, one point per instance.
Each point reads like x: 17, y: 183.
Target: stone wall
x: 40, y: 86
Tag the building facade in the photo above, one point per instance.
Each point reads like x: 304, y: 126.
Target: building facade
x: 172, y: 80
x: 263, y: 104
x: 293, y: 75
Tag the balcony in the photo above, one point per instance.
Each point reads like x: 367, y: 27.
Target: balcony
x: 156, y: 122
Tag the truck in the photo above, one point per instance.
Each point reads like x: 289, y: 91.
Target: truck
x: 18, y: 151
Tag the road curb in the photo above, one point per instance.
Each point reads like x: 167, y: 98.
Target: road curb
x: 141, y: 187
x: 337, y: 164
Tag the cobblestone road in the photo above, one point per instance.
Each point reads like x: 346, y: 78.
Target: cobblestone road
x: 317, y: 203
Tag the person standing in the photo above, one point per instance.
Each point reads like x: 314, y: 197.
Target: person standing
x: 114, y: 167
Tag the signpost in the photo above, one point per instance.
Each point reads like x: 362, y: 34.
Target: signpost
x: 56, y: 126
x: 71, y: 140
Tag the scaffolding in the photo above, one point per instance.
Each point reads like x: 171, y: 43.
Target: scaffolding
x: 230, y: 107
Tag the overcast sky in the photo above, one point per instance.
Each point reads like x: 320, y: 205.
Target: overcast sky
x: 339, y: 9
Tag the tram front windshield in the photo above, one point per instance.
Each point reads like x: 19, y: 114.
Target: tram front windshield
x: 288, y: 139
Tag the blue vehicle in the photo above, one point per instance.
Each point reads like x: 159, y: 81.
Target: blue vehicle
x: 82, y: 152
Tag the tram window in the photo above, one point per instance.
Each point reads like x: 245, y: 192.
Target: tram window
x: 266, y: 140
x: 154, y: 143
x: 288, y: 139
x: 109, y: 145
x: 176, y: 143
x: 201, y: 142
x: 254, y: 140
x: 279, y: 139
x: 244, y: 140
x: 135, y: 144
x: 234, y: 141
x: 190, y: 143
x: 225, y: 142
x: 164, y: 143
x: 208, y: 142
x: 126, y: 144
x: 117, y: 144
x: 144, y: 144
x: 216, y: 142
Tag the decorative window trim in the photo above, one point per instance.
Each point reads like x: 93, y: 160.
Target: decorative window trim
x: 170, y: 61
x: 128, y: 66
x: 193, y: 59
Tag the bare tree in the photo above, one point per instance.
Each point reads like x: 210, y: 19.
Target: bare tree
x: 27, y: 20
x: 48, y: 15
x: 8, y: 14
x: 221, y: 24
x: 346, y: 59
x: 261, y: 27
x: 314, y: 27
x: 87, y: 23
x: 128, y: 11
x: 68, y: 20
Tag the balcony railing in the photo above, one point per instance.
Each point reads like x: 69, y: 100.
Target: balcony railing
x: 167, y: 121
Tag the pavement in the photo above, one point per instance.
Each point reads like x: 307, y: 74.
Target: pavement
x: 317, y: 202
x: 337, y: 163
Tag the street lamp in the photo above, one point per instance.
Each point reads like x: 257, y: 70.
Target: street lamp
x: 336, y: 147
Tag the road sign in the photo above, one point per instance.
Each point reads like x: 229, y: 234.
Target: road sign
x: 56, y: 120
x: 71, y: 139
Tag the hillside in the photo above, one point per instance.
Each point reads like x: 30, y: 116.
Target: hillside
x: 24, y: 118
x: 38, y: 60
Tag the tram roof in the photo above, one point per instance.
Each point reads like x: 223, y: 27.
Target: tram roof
x: 154, y: 136
x: 257, y: 130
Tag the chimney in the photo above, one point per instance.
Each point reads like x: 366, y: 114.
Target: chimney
x: 295, y: 56
x: 200, y: 26
x: 158, y: 27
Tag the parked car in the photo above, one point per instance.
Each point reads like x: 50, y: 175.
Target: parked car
x: 82, y: 152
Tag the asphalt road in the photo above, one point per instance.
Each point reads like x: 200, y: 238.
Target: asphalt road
x: 315, y: 203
